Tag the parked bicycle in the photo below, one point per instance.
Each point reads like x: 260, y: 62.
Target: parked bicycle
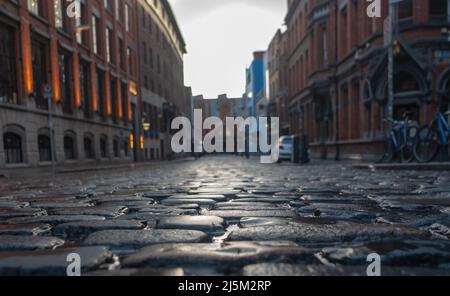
x: 432, y: 138
x: 400, y: 140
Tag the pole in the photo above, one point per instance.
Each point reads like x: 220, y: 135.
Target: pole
x: 51, y: 131
x: 390, y: 102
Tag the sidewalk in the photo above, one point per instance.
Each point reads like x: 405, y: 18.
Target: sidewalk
x: 80, y: 168
x: 433, y: 166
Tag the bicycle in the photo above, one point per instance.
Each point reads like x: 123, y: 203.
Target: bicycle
x: 400, y: 140
x: 432, y: 138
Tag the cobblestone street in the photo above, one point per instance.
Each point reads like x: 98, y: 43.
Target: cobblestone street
x: 226, y: 215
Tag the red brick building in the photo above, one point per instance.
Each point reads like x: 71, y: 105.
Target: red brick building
x: 337, y: 71
x: 163, y: 94
x: 98, y: 64
x: 278, y: 80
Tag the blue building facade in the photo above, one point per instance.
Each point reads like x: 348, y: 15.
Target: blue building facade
x: 254, y: 81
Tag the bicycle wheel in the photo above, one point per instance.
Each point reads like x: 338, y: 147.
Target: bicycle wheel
x: 427, y: 145
x: 448, y: 150
x: 408, y: 152
x: 408, y: 148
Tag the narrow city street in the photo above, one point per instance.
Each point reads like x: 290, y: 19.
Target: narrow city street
x: 226, y: 215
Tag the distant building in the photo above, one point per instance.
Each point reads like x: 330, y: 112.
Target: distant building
x: 221, y: 107
x: 163, y: 94
x: 278, y: 78
x: 254, y: 81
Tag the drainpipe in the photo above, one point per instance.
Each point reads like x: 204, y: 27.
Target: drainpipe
x: 336, y: 91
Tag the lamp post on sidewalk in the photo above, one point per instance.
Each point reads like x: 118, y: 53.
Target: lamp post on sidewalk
x: 47, y: 92
x: 390, y: 31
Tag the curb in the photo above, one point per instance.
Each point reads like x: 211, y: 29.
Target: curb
x: 68, y: 170
x: 124, y: 166
x: 406, y: 166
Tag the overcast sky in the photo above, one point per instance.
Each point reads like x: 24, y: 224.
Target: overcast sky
x: 221, y: 36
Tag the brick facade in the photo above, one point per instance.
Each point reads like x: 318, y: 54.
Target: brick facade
x: 93, y: 63
x: 337, y: 71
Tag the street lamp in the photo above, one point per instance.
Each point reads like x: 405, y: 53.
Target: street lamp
x: 391, y: 30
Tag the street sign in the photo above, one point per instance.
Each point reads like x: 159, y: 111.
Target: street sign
x: 47, y: 91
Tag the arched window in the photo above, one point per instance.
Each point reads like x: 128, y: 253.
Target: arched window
x: 104, y: 146
x: 13, y: 147
x: 45, y: 150
x: 89, y: 152
x: 69, y: 147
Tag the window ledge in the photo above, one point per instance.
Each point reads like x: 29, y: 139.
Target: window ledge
x: 16, y: 165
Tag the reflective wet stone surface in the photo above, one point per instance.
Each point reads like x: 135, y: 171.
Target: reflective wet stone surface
x: 225, y: 215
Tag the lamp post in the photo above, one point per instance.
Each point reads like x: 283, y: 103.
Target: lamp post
x: 392, y: 21
x: 390, y: 39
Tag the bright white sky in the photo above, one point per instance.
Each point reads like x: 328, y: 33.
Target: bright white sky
x: 221, y: 36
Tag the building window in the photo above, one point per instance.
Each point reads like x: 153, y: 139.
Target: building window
x: 64, y: 81
x: 405, y: 9
x: 405, y: 82
x: 116, y: 147
x: 100, y: 92
x: 84, y: 89
x: 61, y: 21
x: 58, y: 14
x: 35, y: 6
x: 113, y: 93
x: 151, y: 58
x: 125, y: 148
x: 144, y: 51
x: 117, y: 6
x: 440, y: 10
x: 104, y: 147
x: 80, y: 21
x: 124, y: 96
x: 39, y: 61
x: 69, y: 148
x: 158, y: 63
x: 108, y: 38
x: 344, y: 32
x: 121, y: 52
x: 150, y: 25
x: 324, y: 47
x: 96, y: 34
x: 89, y: 152
x: 45, y: 150
x: 127, y: 18
x: 108, y: 5
x: 8, y: 79
x: 130, y: 60
x: 12, y: 144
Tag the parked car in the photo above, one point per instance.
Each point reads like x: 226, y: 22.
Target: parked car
x: 285, y: 146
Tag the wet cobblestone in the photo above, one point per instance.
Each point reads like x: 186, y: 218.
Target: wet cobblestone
x: 227, y: 216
